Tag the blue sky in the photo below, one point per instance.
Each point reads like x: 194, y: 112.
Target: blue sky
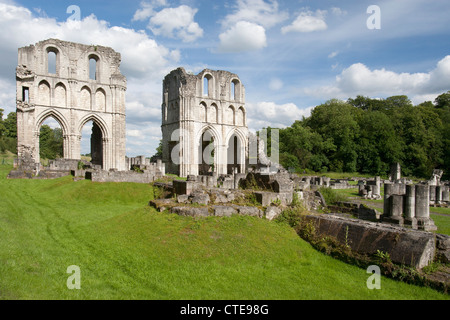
x: 290, y: 55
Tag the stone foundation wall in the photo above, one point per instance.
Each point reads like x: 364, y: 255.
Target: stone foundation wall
x: 120, y: 176
x: 405, y: 246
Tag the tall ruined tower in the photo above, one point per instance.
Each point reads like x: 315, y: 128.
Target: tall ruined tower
x: 73, y: 84
x: 204, y: 123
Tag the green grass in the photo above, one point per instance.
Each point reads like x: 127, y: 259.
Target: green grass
x: 440, y: 210
x: 126, y: 250
x: 442, y: 222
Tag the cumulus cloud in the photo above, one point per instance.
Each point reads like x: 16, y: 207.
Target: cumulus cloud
x: 176, y: 23
x: 144, y: 61
x: 264, y: 114
x: 307, y: 22
x: 358, y: 79
x: 244, y: 36
x: 147, y: 9
x: 266, y: 14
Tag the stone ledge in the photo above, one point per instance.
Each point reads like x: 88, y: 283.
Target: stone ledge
x: 405, y: 246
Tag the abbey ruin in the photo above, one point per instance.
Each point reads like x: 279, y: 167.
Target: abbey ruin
x: 54, y: 80
x: 205, y: 139
x: 202, y: 113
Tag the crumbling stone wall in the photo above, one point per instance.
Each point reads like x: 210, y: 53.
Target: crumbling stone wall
x: 72, y: 96
x: 199, y: 110
x: 405, y: 246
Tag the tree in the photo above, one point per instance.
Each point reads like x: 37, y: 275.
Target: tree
x: 11, y: 125
x: 337, y: 120
x: 50, y: 143
x: 443, y: 100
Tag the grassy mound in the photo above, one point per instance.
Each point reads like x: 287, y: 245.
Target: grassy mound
x: 126, y: 250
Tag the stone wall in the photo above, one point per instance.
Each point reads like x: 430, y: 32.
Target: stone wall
x: 405, y: 246
x: 72, y: 96
x: 120, y: 176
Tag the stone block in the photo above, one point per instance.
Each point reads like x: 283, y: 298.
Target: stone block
x: 224, y: 211
x: 184, y: 187
x: 191, y: 211
x: 182, y: 198
x: 202, y: 199
x: 272, y: 212
x: 405, y: 246
x: 249, y: 211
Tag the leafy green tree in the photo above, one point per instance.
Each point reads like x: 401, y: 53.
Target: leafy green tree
x: 443, y: 100
x: 11, y: 125
x: 2, y: 125
x: 50, y: 143
x: 302, y: 148
x: 336, y: 121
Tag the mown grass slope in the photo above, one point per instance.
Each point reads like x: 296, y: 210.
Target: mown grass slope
x: 126, y: 250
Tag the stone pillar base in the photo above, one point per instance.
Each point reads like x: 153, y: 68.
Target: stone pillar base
x: 426, y: 224
x: 394, y: 220
x: 411, y: 222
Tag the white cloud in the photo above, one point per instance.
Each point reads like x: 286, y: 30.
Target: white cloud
x: 244, y: 36
x: 256, y: 11
x: 147, y: 9
x: 338, y: 11
x: 264, y: 114
x: 144, y: 62
x: 333, y: 54
x: 307, y: 22
x: 358, y: 79
x: 176, y: 23
x: 276, y: 84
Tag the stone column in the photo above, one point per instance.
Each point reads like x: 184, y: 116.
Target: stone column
x: 432, y: 194
x: 410, y: 206
x: 445, y: 194
x: 389, y: 190
x: 438, y: 198
x: 423, y: 208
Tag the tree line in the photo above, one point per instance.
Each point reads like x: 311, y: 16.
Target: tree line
x: 50, y: 140
x: 369, y: 135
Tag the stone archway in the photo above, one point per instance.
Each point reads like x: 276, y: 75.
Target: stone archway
x: 208, y: 153
x: 73, y: 97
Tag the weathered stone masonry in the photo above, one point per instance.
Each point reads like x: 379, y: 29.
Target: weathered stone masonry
x: 200, y: 110
x: 73, y: 97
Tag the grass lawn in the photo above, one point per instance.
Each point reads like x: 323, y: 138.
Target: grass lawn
x: 126, y: 250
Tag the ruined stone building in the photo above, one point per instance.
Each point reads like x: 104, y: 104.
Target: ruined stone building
x: 73, y: 84
x: 204, y: 123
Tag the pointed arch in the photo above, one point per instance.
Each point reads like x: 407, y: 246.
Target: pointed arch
x: 44, y: 93
x: 240, y: 117
x: 100, y: 100
x: 236, y: 151
x: 213, y: 112
x: 208, y: 146
x: 53, y: 113
x: 60, y: 95
x: 202, y: 111
x: 230, y: 115
x: 85, y: 98
x: 93, y: 117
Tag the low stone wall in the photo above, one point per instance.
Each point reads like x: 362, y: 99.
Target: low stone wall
x: 42, y: 174
x: 405, y: 246
x: 120, y: 176
x: 360, y: 211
